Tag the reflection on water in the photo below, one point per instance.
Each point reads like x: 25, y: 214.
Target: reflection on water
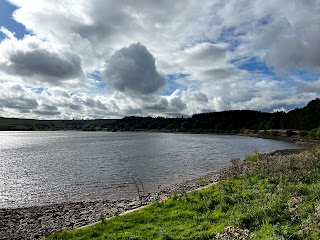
x: 47, y: 167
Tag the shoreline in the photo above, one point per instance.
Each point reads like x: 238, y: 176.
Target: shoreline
x: 37, y: 222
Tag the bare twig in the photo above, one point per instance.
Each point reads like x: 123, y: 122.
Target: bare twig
x: 138, y: 190
x: 144, y: 191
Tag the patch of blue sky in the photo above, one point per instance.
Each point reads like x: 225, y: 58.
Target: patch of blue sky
x: 257, y: 65
x: 7, y: 21
x: 306, y: 75
x: 228, y: 35
x: 41, y: 90
x: 265, y: 20
x: 96, y: 76
x: 2, y: 36
x: 253, y: 64
x: 191, y: 44
x: 196, y: 42
x: 172, y: 83
x: 38, y: 90
x: 231, y: 36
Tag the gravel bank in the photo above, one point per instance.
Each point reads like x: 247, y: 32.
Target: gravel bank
x: 40, y: 221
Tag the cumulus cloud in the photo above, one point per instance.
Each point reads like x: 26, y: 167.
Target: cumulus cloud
x: 6, y: 32
x: 177, y: 104
x: 283, y: 34
x: 14, y: 97
x: 209, y: 62
x: 203, y: 43
x: 16, y: 100
x: 45, y: 63
x: 294, y: 48
x: 132, y: 70
x: 160, y: 105
x: 33, y: 58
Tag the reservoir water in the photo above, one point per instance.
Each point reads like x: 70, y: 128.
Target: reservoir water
x: 39, y: 168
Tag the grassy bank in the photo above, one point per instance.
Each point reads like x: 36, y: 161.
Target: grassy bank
x: 267, y: 197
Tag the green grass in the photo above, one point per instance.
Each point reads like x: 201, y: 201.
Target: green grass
x: 278, y: 198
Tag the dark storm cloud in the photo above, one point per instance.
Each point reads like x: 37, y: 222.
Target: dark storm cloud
x: 44, y: 63
x: 132, y: 70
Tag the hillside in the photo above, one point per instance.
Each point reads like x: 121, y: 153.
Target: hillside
x: 232, y: 121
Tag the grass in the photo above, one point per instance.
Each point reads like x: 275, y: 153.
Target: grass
x: 278, y: 197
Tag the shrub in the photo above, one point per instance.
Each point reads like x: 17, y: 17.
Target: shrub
x: 274, y: 133
x: 264, y: 133
x: 244, y: 131
x: 252, y: 158
x: 290, y: 133
x: 303, y: 133
x: 318, y: 134
x: 314, y: 134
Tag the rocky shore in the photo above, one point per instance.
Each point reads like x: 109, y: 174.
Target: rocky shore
x: 40, y: 221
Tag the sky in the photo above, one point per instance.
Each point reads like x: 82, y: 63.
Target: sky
x: 79, y: 59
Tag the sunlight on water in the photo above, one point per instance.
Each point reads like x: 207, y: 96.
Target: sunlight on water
x: 47, y: 167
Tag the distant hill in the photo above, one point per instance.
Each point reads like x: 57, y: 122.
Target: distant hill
x: 17, y: 124
x: 305, y: 118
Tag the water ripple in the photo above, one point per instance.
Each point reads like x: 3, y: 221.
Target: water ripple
x: 47, y: 167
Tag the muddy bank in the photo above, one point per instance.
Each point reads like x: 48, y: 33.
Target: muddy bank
x: 40, y: 221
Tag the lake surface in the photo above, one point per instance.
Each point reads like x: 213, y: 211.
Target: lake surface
x: 48, y: 167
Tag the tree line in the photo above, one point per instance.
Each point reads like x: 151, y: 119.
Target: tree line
x: 232, y: 121
x: 305, y: 118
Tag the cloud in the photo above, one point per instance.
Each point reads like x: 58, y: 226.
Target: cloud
x: 20, y: 103
x: 294, y: 48
x: 6, y: 32
x: 202, y: 43
x: 15, y: 97
x: 309, y: 87
x: 132, y: 70
x: 177, y: 104
x: 32, y: 58
x: 203, y: 52
x: 282, y: 34
x: 160, y: 105
x: 209, y: 62
x: 45, y: 63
